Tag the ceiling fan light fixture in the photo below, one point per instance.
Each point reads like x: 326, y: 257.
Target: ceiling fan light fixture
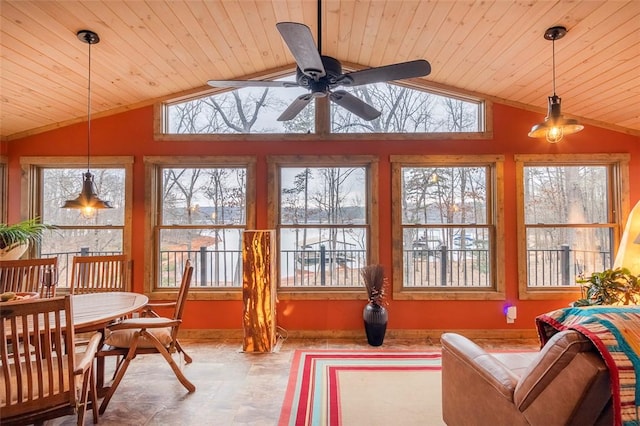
x: 555, y: 126
x: 88, y: 201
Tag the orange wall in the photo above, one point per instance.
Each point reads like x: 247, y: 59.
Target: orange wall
x: 131, y: 133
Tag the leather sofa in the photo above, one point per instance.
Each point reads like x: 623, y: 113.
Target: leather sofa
x: 565, y: 383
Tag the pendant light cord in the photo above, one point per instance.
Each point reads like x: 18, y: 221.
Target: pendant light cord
x: 89, y: 113
x: 553, y: 61
x: 319, y: 25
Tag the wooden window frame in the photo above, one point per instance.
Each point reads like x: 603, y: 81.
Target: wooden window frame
x: 323, y: 120
x: 370, y: 163
x: 4, y: 188
x: 495, y: 214
x: 31, y: 186
x: 153, y: 166
x: 618, y: 165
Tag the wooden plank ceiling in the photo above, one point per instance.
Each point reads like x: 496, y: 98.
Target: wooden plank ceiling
x: 154, y: 50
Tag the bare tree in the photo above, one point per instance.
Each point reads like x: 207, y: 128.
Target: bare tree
x: 403, y: 110
x: 458, y: 117
x: 291, y: 203
x: 238, y: 115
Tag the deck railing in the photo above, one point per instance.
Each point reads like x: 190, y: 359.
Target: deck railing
x: 443, y: 267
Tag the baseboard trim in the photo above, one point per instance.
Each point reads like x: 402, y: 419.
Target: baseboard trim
x: 427, y: 334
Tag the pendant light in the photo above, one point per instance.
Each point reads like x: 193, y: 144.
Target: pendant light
x: 88, y: 201
x: 554, y: 126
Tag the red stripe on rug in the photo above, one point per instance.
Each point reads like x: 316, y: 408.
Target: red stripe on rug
x: 299, y: 401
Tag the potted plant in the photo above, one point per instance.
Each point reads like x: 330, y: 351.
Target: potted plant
x: 375, y: 313
x: 610, y: 287
x: 15, y: 239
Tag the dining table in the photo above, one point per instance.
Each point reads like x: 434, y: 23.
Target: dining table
x: 95, y: 311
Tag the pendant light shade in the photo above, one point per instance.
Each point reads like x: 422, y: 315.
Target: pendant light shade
x: 88, y: 200
x: 555, y: 126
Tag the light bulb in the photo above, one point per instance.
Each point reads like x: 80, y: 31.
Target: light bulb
x: 554, y: 134
x: 88, y: 212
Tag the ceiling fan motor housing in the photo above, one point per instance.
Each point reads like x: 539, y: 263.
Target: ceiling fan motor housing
x: 333, y: 71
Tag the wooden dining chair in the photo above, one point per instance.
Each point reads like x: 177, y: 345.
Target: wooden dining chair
x: 95, y: 274
x: 40, y: 380
x: 29, y: 275
x: 148, y: 334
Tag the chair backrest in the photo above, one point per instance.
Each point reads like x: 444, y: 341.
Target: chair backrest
x: 185, y: 285
x: 36, y: 372
x: 95, y: 274
x: 568, y: 367
x: 29, y: 275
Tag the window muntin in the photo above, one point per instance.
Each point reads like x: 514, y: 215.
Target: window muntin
x: 568, y: 221
x: 446, y: 232
x: 102, y: 234
x: 202, y: 214
x: 323, y: 225
x: 407, y: 110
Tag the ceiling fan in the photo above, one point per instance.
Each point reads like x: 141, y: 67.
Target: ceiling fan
x: 323, y: 74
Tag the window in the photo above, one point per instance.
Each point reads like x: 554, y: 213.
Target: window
x: 55, y: 180
x: 406, y: 109
x: 201, y: 208
x: 324, y: 219
x: 445, y: 225
x: 569, y: 219
x: 245, y: 110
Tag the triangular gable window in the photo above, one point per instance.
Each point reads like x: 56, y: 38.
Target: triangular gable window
x: 255, y: 110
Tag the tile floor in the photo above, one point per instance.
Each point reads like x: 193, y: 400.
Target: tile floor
x: 232, y: 387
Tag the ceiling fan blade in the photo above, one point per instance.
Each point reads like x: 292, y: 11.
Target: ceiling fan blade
x: 296, y: 106
x: 355, y: 105
x: 300, y: 42
x: 399, y: 71
x: 251, y: 83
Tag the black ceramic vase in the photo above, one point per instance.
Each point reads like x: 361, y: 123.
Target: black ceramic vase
x: 375, y: 323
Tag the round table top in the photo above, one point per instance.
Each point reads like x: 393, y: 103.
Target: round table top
x: 94, y: 311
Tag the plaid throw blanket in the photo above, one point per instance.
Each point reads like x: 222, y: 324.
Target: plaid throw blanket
x: 615, y: 331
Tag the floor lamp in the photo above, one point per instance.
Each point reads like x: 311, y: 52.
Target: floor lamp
x: 629, y: 251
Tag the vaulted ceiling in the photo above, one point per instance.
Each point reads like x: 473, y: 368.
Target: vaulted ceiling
x: 155, y: 50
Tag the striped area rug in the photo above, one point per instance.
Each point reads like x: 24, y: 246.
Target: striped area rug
x: 363, y: 388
